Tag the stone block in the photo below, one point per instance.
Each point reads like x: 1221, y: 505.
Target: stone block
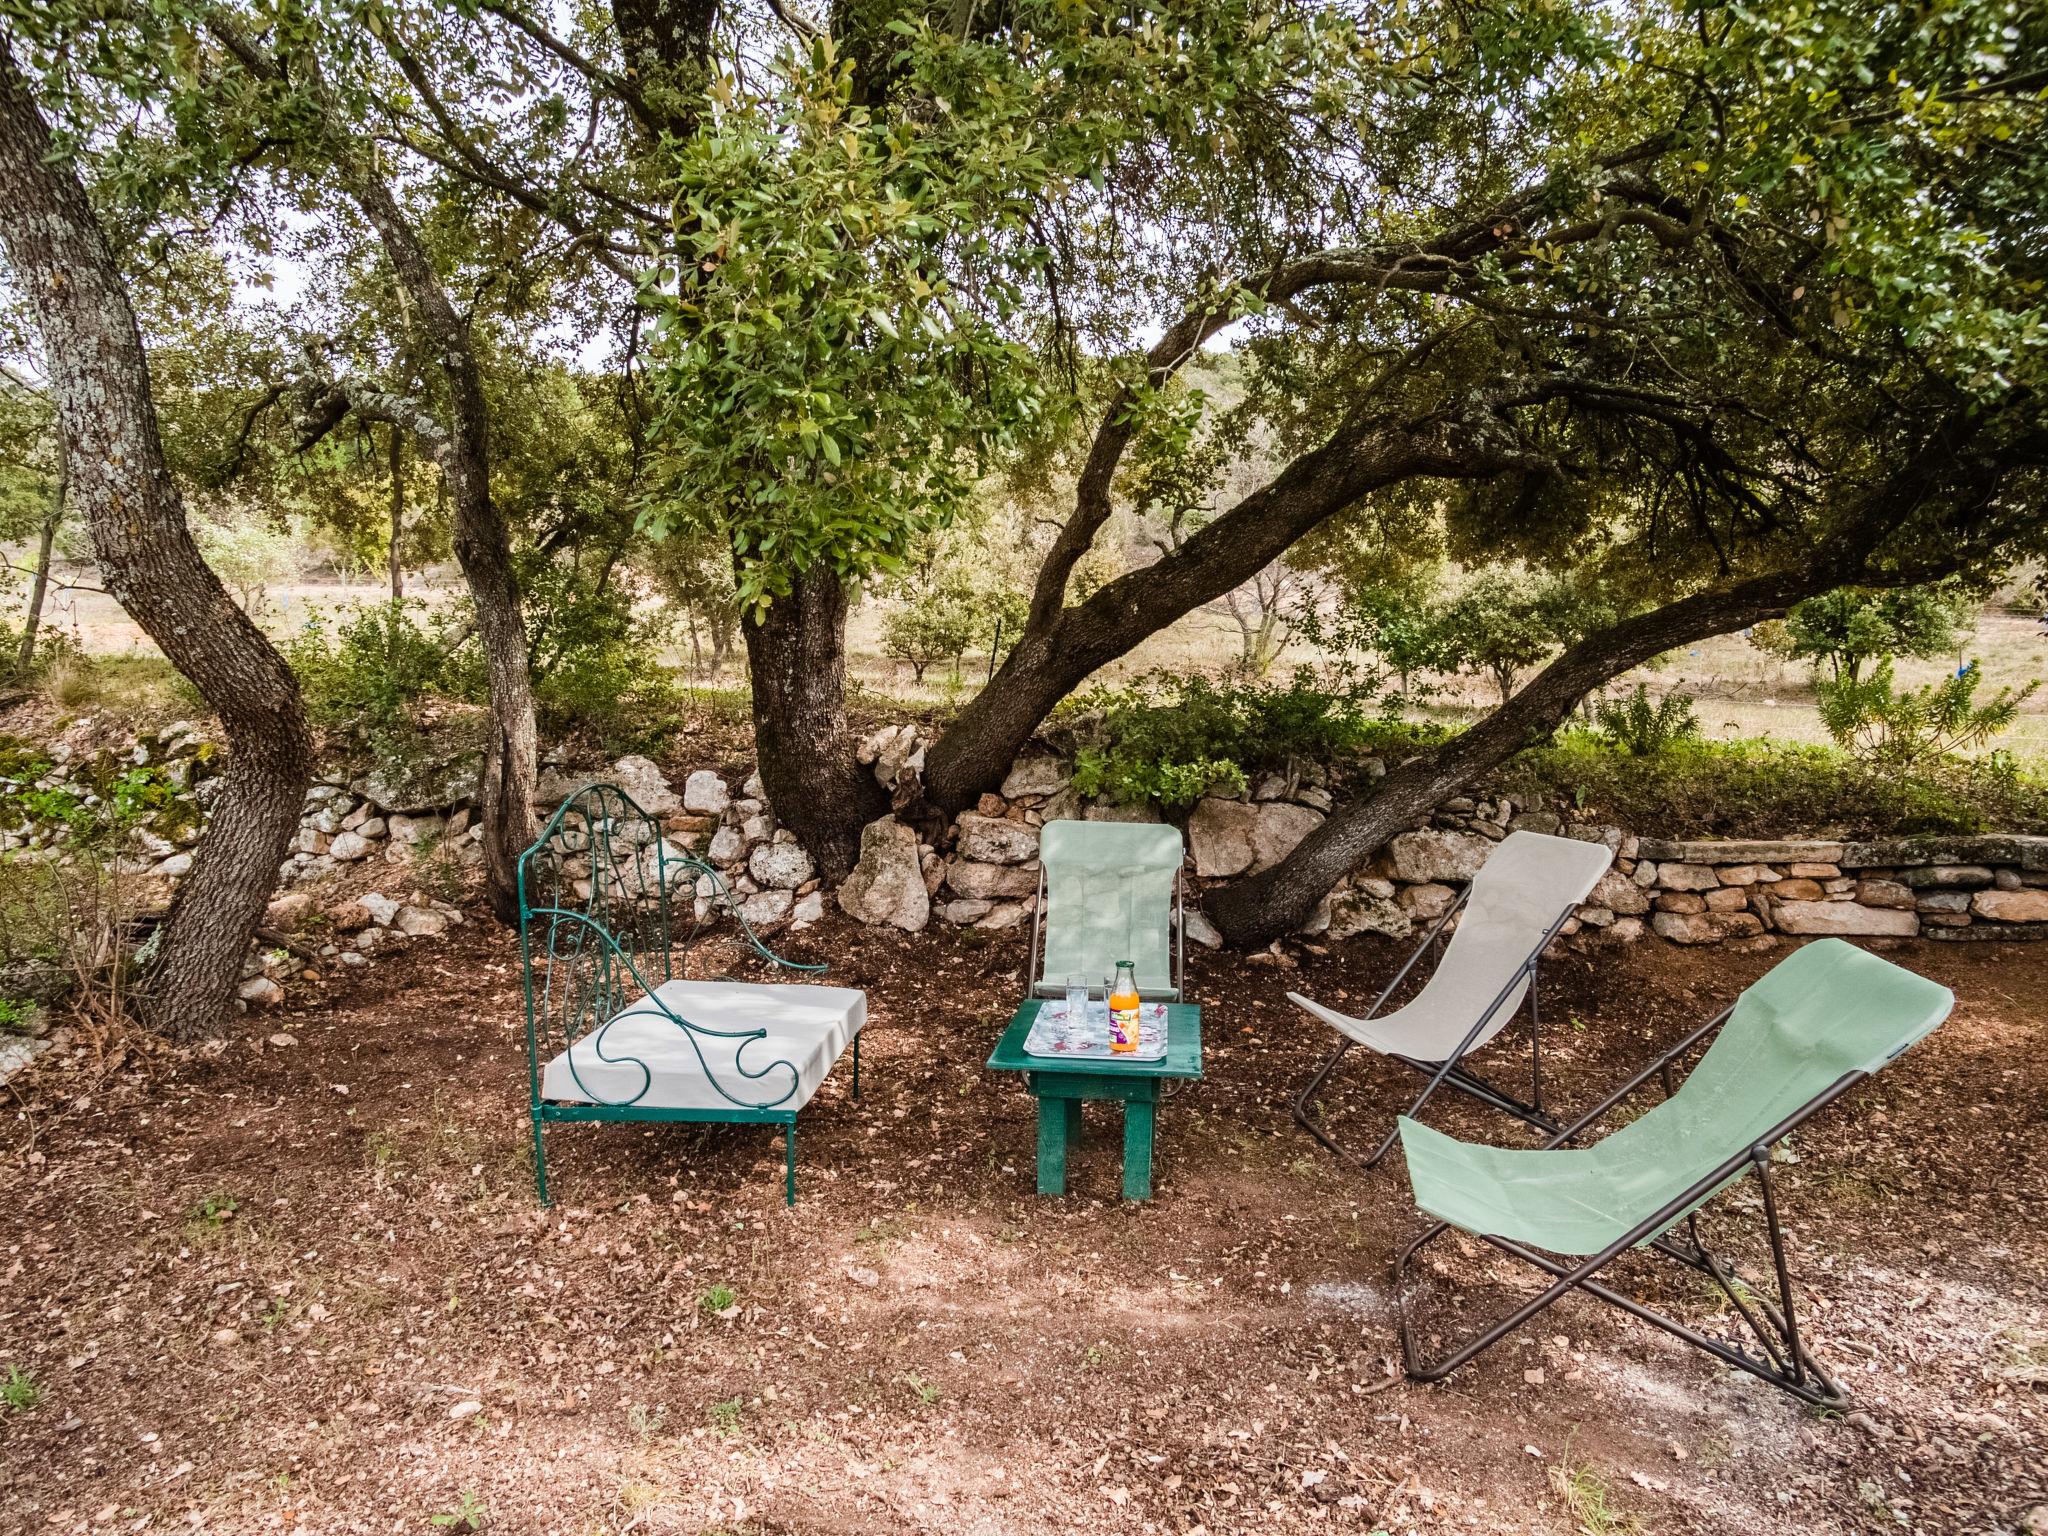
x: 1846, y: 918
x: 2027, y: 906
x: 1687, y: 877
x: 1429, y: 855
x: 1705, y: 927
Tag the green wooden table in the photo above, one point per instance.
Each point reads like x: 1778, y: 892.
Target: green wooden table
x: 1062, y: 1086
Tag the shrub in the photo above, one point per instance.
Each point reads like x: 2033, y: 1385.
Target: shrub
x: 1170, y: 741
x: 936, y: 624
x: 371, y: 666
x: 1891, y: 727
x: 1643, y: 728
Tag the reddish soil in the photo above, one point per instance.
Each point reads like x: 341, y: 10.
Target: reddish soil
x: 306, y: 1286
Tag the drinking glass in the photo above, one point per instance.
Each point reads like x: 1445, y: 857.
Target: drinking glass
x: 1074, y: 1017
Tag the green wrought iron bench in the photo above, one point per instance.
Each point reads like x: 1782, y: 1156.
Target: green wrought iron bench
x: 615, y: 1030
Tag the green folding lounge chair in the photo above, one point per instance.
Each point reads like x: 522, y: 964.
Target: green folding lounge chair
x: 1109, y: 891
x: 1507, y: 916
x: 1820, y: 1022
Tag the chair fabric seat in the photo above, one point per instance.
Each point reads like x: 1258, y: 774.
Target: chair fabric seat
x: 644, y: 1057
x: 1528, y: 883
x: 1109, y: 896
x: 1825, y: 1012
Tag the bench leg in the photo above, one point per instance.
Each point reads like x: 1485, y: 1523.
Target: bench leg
x: 540, y: 1158
x: 789, y: 1162
x: 1054, y: 1118
x: 856, y: 1069
x: 1137, y: 1149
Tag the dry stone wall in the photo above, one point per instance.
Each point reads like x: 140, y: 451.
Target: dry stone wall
x: 369, y: 854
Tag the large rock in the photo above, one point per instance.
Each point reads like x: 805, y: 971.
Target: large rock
x: 1220, y: 834
x: 1619, y: 894
x: 1425, y: 903
x: 1196, y: 926
x: 1749, y: 852
x: 892, y: 749
x: 887, y: 885
x: 728, y: 846
x: 1705, y: 927
x: 1355, y: 912
x: 348, y: 847
x: 647, y: 784
x: 1687, y: 877
x: 705, y: 793
x: 413, y: 789
x: 1233, y: 837
x: 1432, y: 855
x: 781, y: 866
x: 992, y: 840
x: 2028, y: 906
x: 767, y: 909
x: 990, y: 882
x: 1279, y: 827
x: 1844, y: 917
x: 1037, y: 774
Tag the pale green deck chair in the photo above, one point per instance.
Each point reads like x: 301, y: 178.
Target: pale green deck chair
x: 1109, y: 891
x: 1817, y: 1024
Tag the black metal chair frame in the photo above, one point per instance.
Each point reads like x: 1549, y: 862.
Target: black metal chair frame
x: 1450, y: 1070
x: 1784, y: 1361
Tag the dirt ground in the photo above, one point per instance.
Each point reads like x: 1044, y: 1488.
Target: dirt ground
x: 300, y: 1282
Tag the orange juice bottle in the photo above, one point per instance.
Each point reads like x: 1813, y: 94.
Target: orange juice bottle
x: 1123, y: 1008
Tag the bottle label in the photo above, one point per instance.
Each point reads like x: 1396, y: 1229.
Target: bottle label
x: 1123, y: 1028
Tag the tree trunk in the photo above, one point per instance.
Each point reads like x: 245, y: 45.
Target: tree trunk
x: 1062, y: 646
x: 483, y: 544
x: 1255, y: 911
x: 99, y: 379
x: 46, y: 544
x: 796, y: 660
x: 397, y: 514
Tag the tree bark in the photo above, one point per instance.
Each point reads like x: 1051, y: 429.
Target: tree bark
x: 46, y: 545
x: 796, y: 661
x: 483, y: 544
x: 99, y: 378
x: 397, y: 565
x: 1948, y: 490
x: 1255, y: 911
x: 1062, y: 646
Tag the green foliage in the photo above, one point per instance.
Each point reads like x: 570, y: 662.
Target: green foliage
x: 20, y: 1391
x: 1852, y: 626
x: 1507, y: 618
x: 1643, y: 728
x: 16, y: 1015
x: 595, y: 660
x: 813, y: 360
x: 1740, y: 789
x: 719, y: 1299
x: 1892, y: 727
x: 934, y: 623
x: 370, y: 667
x: 469, y: 1514
x: 1168, y: 741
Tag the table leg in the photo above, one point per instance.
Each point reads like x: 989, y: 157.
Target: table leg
x: 1074, y: 1121
x: 1137, y: 1149
x: 1053, y: 1119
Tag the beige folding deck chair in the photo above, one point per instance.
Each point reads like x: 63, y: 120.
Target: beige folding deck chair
x: 1507, y: 916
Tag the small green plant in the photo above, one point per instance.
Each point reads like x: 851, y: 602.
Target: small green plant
x: 1588, y: 1500
x: 1169, y: 741
x: 16, y: 1015
x: 646, y: 1422
x: 1892, y: 727
x: 212, y: 1213
x: 718, y: 1301
x: 926, y: 1392
x: 468, y: 1514
x: 725, y: 1416
x: 1643, y: 727
x: 20, y: 1391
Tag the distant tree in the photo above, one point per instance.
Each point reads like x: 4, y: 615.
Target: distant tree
x: 931, y: 624
x: 1847, y: 629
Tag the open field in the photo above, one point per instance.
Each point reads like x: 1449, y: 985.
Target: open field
x: 1741, y: 691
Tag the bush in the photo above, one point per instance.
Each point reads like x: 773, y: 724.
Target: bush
x: 1644, y: 729
x: 372, y: 666
x: 1170, y: 741
x: 1773, y: 789
x: 1891, y: 727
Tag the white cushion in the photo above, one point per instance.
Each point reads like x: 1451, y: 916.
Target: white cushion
x: 806, y: 1026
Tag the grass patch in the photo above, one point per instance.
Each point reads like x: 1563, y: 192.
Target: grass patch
x: 20, y: 1391
x: 1588, y: 1500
